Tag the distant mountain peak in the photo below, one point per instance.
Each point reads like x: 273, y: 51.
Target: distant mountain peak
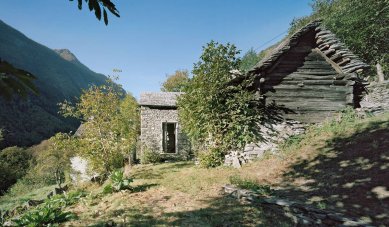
x: 67, y: 55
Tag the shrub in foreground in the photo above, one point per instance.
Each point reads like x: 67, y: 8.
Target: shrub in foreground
x: 212, y: 158
x: 51, y: 211
x: 118, y: 182
x: 14, y: 163
x: 149, y: 156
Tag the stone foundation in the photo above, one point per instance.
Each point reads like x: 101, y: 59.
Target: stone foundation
x: 376, y: 101
x: 278, y: 134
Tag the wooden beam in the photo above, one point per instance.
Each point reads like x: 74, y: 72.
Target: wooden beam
x: 332, y: 63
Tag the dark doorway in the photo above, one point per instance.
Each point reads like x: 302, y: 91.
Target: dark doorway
x: 169, y: 137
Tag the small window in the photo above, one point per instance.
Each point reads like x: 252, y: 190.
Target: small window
x: 169, y: 137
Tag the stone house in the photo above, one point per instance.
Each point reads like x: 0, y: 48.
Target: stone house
x: 160, y: 128
x: 312, y: 74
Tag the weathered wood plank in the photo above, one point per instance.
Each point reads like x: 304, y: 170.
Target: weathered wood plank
x: 302, y: 47
x: 316, y: 82
x: 311, y: 103
x: 340, y: 99
x: 314, y: 73
x: 297, y: 76
x: 306, y: 87
x: 323, y: 95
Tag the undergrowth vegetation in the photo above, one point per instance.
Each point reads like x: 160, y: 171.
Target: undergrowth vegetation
x: 149, y: 156
x: 250, y: 184
x: 14, y: 164
x: 51, y: 211
x: 118, y: 182
x: 212, y: 158
x: 339, y: 124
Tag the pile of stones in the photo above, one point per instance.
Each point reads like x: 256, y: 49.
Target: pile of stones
x: 273, y: 136
x: 376, y: 101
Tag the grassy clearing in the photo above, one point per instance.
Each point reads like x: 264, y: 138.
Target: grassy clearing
x: 175, y: 194
x: 9, y: 201
x: 341, y: 165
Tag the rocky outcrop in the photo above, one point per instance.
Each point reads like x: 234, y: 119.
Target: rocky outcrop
x: 273, y: 136
x: 80, y: 170
x: 376, y: 101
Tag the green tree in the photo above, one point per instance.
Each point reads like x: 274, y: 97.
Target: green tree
x: 14, y: 163
x: 249, y: 60
x: 54, y: 162
x: 214, y: 113
x: 176, y: 82
x: 110, y: 126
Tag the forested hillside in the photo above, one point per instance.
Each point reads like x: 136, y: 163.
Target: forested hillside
x: 59, y: 75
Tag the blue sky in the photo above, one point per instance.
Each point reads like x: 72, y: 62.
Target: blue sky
x: 152, y: 38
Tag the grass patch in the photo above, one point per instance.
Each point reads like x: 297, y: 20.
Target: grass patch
x: 11, y: 200
x: 51, y: 211
x: 332, y: 166
x: 250, y: 184
x: 175, y: 194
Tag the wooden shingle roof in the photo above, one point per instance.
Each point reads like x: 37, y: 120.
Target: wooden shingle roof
x: 325, y: 41
x: 159, y: 99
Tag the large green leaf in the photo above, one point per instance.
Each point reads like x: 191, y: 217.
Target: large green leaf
x: 97, y: 5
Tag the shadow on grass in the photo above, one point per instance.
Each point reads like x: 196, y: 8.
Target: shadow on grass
x: 350, y: 175
x: 223, y: 211
x: 157, y: 171
x: 143, y: 187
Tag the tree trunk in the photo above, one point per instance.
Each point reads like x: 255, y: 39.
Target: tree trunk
x: 380, y: 73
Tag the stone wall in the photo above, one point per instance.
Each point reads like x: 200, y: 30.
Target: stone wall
x: 301, y: 214
x: 273, y: 136
x: 376, y: 101
x: 151, y: 129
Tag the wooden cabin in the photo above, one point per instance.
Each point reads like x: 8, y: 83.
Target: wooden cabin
x: 312, y: 74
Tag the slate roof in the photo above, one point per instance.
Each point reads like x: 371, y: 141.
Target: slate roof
x: 326, y: 42
x: 159, y: 99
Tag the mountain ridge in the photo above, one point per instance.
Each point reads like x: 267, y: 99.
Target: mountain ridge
x: 60, y: 76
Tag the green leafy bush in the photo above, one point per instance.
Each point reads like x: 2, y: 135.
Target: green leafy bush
x: 67, y: 199
x: 117, y: 183
x: 51, y: 211
x: 212, y: 158
x: 43, y: 216
x: 110, y: 126
x: 251, y: 185
x: 108, y: 189
x: 150, y: 156
x: 219, y: 109
x: 14, y: 163
x: 50, y: 165
x: 176, y: 82
x: 249, y: 60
